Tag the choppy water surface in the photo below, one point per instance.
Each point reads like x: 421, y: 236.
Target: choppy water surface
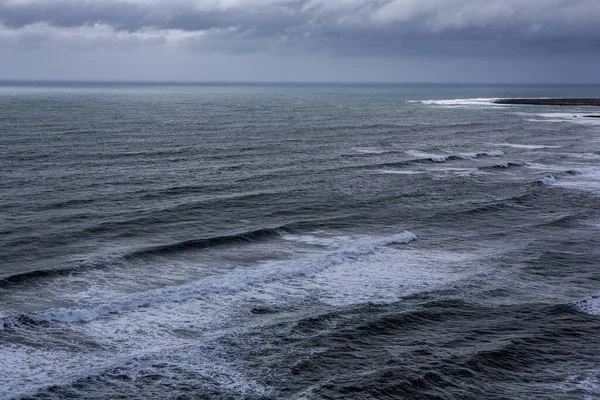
x: 308, y: 242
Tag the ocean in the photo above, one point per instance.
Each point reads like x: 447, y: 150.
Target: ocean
x: 297, y: 241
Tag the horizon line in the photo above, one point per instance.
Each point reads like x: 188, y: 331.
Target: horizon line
x: 281, y: 82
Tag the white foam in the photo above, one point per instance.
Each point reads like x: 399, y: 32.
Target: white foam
x: 400, y: 172
x: 461, y: 102
x: 496, y: 153
x: 369, y: 150
x: 563, y: 117
x: 432, y: 157
x: 26, y: 371
x: 322, y: 239
x: 442, y: 173
x: 584, y: 156
x: 389, y: 275
x: 586, y: 171
x: 454, y: 169
x: 548, y: 180
x: 587, y: 179
x: 444, y: 157
x: 586, y: 384
x: 562, y: 168
x: 543, y: 167
x: 589, y: 305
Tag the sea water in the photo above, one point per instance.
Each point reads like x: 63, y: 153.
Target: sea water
x: 232, y: 241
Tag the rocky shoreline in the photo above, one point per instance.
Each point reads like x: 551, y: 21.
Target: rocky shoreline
x: 551, y: 102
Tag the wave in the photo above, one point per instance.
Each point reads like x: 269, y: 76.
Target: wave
x: 147, y: 154
x: 585, y: 179
x: 589, y: 305
x: 459, y: 156
x: 503, y: 165
x: 587, y: 382
x: 497, y: 153
x: 112, y: 260
x: 527, y: 146
x: 548, y: 180
x: 387, y: 167
x: 215, y: 241
x: 164, y: 214
x: 591, y: 173
x: 427, y: 156
x: 99, y: 262
x: 423, y: 157
x: 233, y: 281
x: 175, y: 190
x: 490, y: 206
x: 584, y: 171
x: 574, y: 117
x: 371, y: 150
x: 29, y: 275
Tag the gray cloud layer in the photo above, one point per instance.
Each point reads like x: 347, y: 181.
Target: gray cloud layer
x: 345, y: 27
x: 553, y: 40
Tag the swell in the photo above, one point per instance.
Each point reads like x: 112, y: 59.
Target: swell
x: 537, y: 342
x: 90, y: 158
x: 86, y: 265
x: 171, y: 213
x: 534, y: 209
x: 405, y: 351
x: 347, y: 127
x: 145, y: 194
x: 496, y: 205
x: 145, y: 154
x: 215, y: 241
x: 432, y: 312
x: 171, y: 248
x: 36, y: 274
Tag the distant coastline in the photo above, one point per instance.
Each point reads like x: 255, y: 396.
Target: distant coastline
x: 551, y: 102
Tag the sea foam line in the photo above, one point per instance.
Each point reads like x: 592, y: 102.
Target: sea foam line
x: 459, y: 102
x: 235, y: 280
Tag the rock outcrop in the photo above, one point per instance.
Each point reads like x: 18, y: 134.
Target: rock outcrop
x: 551, y: 102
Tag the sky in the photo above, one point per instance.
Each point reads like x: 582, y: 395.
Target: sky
x: 505, y: 41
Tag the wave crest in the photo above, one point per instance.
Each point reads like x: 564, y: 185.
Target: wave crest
x: 589, y: 305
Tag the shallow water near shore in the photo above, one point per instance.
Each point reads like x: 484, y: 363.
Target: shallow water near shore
x: 297, y: 241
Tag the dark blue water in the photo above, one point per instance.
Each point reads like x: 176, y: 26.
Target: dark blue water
x: 297, y: 241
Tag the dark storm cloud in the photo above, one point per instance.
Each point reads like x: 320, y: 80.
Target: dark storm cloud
x: 453, y: 28
x: 69, y: 13
x: 134, y: 16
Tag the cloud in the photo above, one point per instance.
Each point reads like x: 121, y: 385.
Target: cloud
x: 453, y: 28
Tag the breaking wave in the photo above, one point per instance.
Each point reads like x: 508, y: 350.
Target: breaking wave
x: 459, y: 102
x: 111, y: 260
x: 589, y: 305
x: 237, y: 279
